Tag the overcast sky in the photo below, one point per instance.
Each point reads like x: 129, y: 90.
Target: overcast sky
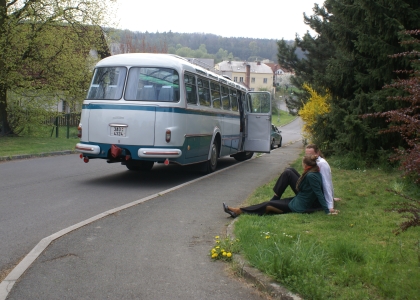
x: 275, y: 19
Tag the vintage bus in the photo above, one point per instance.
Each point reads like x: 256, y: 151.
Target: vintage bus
x: 144, y: 108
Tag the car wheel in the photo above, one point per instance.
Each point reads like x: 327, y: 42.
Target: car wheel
x: 281, y: 140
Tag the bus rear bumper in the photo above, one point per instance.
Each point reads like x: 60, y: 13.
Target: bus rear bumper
x: 159, y: 153
x: 88, y: 149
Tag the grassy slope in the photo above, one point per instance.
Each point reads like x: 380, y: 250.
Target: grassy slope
x: 353, y: 255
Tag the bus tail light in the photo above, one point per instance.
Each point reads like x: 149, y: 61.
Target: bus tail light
x: 79, y: 131
x: 168, y: 136
x: 166, y: 162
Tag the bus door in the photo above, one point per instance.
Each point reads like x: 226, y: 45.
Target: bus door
x: 258, y: 122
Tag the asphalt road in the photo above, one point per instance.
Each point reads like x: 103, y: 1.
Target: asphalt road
x: 42, y: 196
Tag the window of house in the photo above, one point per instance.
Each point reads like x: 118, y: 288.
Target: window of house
x: 241, y: 79
x: 235, y: 79
x: 265, y: 80
x: 253, y: 80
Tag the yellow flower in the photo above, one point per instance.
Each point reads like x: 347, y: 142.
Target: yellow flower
x: 267, y: 237
x: 351, y: 225
x: 213, y: 250
x: 216, y: 237
x: 214, y: 255
x: 218, y: 242
x: 224, y: 253
x: 228, y: 254
x: 217, y: 247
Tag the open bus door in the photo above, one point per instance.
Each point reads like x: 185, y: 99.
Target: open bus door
x: 257, y: 122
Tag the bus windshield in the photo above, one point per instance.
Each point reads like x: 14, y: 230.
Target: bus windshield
x: 152, y: 84
x: 107, y: 83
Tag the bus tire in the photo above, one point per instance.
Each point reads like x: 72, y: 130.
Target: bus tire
x: 241, y: 156
x: 211, y: 164
x: 143, y: 165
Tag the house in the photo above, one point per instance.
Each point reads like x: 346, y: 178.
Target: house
x: 254, y: 75
x: 281, y: 75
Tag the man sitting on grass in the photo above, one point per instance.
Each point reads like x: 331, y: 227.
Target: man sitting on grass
x: 290, y: 177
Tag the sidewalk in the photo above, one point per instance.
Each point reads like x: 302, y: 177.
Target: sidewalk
x: 157, y: 249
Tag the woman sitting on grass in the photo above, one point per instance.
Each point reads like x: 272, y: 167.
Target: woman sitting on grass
x: 309, y: 187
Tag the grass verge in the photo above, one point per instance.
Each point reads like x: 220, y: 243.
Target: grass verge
x: 282, y: 119
x: 353, y: 255
x: 42, y: 142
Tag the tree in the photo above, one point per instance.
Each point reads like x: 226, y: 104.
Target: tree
x: 349, y: 57
x: 44, y: 46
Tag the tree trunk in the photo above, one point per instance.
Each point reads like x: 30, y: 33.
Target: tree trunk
x: 4, y: 123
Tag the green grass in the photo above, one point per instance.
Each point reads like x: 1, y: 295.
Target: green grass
x: 352, y: 255
x: 283, y: 119
x: 40, y: 141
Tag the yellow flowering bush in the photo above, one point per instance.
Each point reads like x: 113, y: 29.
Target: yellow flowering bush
x: 224, y: 248
x: 316, y: 105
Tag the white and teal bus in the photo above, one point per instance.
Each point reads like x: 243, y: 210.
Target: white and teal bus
x: 144, y: 108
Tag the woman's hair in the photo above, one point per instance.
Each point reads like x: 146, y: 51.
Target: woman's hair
x: 310, y: 160
x: 311, y: 166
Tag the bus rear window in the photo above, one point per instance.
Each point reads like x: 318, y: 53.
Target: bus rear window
x: 107, y: 83
x: 152, y: 84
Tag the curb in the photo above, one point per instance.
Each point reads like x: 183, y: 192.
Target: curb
x: 260, y: 280
x: 44, y: 154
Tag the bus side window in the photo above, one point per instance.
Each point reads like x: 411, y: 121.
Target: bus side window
x: 234, y: 100
x: 203, y: 92
x: 190, y: 89
x: 215, y: 95
x: 225, y: 98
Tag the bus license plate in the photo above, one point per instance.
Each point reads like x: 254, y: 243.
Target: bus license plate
x: 118, y: 131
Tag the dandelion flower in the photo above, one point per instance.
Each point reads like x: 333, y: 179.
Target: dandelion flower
x: 214, y: 255
x: 217, y: 247
x: 267, y: 236
x: 224, y: 253
x: 216, y: 237
x: 229, y: 254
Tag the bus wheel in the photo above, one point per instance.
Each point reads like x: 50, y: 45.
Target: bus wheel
x: 211, y: 164
x: 140, y: 165
x: 241, y: 156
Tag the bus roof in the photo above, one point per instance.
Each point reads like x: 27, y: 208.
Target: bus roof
x: 162, y: 60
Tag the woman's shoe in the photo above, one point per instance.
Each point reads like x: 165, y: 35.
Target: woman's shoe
x: 228, y: 211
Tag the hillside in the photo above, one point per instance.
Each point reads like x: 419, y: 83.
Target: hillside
x: 191, y: 45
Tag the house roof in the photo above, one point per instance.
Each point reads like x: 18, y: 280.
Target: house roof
x: 276, y: 67
x: 240, y: 67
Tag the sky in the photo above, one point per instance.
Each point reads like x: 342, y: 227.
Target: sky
x: 274, y: 19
